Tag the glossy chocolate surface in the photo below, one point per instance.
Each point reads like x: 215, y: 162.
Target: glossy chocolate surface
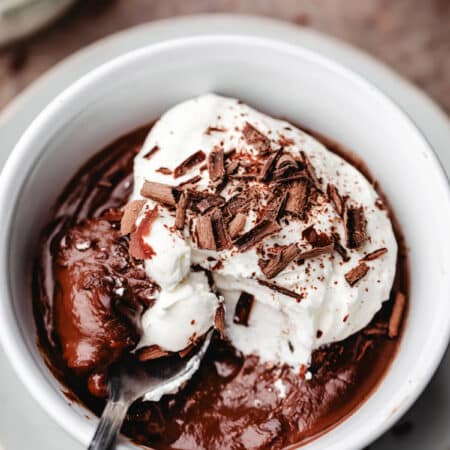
x: 231, y: 403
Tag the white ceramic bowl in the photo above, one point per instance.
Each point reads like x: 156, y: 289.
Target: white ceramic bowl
x: 281, y: 80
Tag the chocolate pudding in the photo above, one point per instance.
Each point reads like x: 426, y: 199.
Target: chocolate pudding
x: 98, y: 281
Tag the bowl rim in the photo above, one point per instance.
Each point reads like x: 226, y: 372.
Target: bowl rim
x: 22, y: 361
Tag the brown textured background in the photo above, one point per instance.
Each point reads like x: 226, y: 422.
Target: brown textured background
x: 412, y: 36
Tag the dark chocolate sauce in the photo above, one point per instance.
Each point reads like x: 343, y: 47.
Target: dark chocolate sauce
x: 231, y: 403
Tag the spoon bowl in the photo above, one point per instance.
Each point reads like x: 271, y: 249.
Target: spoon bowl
x: 132, y: 379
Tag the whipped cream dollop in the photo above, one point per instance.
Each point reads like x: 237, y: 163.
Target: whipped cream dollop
x: 190, y: 306
x: 172, y: 261
x: 314, y: 300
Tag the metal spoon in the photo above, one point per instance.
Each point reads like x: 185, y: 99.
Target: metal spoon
x: 133, y: 380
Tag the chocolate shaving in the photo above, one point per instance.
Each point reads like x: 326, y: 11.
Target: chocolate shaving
x: 316, y: 239
x: 243, y: 309
x: 219, y: 321
x: 220, y: 232
x: 236, y: 225
x: 202, y: 201
x: 219, y: 185
x: 275, y: 207
x: 211, y: 130
x: 238, y: 203
x: 316, y: 251
x: 151, y: 152
x: 339, y: 248
x: 189, y: 163
x: 151, y: 352
x: 311, y: 172
x: 216, y: 166
x: 355, y: 226
x: 256, y: 234
x: 161, y: 193
x: 279, y: 261
x: 105, y: 183
x: 255, y: 138
x: 297, y: 198
x: 380, y: 329
x: 204, y: 233
x: 269, y: 165
x: 355, y: 274
x: 164, y: 170
x: 281, y: 290
x: 335, y: 198
x: 232, y: 167
x: 180, y: 215
x: 363, y: 349
x: 375, y: 254
x: 286, y: 164
x: 209, y: 201
x: 188, y: 184
x: 130, y: 214
x: 198, y: 196
x: 397, y: 315
x: 298, y: 176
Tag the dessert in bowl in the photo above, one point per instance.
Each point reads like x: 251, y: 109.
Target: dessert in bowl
x: 221, y: 216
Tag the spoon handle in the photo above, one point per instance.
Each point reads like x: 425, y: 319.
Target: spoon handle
x: 109, y: 425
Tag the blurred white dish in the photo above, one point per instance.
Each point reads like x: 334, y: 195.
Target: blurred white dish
x: 19, y: 18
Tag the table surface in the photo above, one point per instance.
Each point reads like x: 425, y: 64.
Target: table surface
x: 412, y: 36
